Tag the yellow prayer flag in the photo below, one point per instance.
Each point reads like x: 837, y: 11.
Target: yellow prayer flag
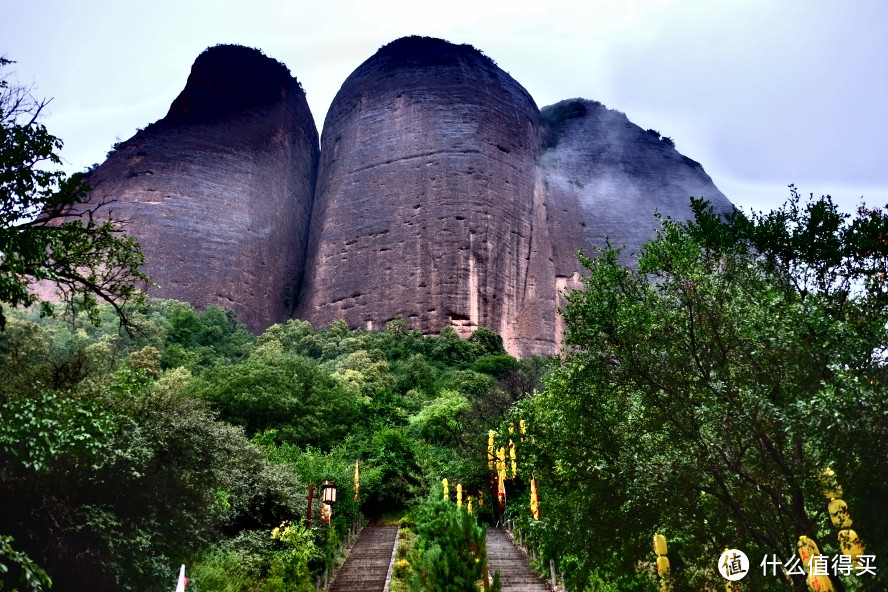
x: 357, y: 480
x: 534, y: 499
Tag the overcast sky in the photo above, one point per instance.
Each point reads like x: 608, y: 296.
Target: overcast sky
x: 763, y: 93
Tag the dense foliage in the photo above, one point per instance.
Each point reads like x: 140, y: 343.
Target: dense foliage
x: 123, y: 456
x: 449, y: 552
x: 703, y: 393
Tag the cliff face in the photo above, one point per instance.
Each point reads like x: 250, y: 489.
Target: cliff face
x: 441, y: 197
x: 443, y: 194
x: 606, y: 177
x: 424, y: 201
x: 219, y: 192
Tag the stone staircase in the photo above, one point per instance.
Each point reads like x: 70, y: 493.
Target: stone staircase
x: 504, y: 557
x: 367, y: 566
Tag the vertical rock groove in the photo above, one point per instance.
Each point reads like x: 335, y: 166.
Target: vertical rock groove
x: 425, y: 193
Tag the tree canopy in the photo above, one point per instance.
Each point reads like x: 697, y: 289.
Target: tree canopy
x: 703, y: 393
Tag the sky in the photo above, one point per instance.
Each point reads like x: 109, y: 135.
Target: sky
x: 763, y: 93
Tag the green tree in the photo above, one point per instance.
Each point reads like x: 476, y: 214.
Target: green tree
x: 111, y: 490
x: 489, y: 343
x: 47, y: 230
x: 703, y: 392
x: 280, y: 390
x: 441, y: 421
x: 449, y: 553
x: 211, y: 337
x: 22, y: 568
x: 393, y: 454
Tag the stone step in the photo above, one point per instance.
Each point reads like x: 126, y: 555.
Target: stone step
x: 368, y: 562
x: 503, y: 556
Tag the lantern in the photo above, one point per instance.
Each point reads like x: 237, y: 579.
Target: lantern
x: 850, y: 544
x: 459, y: 495
x: 807, y: 549
x: 534, y: 499
x: 328, y: 492
x: 829, y: 484
x: 444, y: 484
x: 839, y: 514
x: 490, y: 463
x: 820, y: 583
x: 662, y: 562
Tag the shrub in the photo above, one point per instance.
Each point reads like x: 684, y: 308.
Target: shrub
x: 449, y: 552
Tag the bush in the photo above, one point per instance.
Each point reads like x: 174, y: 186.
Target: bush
x: 449, y: 553
x: 554, y: 117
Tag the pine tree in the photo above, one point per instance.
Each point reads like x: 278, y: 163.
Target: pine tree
x: 450, y: 553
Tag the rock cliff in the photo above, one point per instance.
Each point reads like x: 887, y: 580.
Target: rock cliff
x: 605, y: 177
x: 442, y: 194
x: 424, y: 202
x: 443, y: 198
x: 219, y: 192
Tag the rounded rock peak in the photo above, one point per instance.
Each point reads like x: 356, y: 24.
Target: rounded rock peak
x: 428, y: 51
x: 227, y: 79
x: 429, y: 62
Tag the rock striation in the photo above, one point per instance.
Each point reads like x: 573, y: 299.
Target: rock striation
x: 441, y: 194
x: 424, y: 202
x: 219, y: 192
x: 443, y: 197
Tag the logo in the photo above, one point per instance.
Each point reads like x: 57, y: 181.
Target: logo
x: 733, y: 564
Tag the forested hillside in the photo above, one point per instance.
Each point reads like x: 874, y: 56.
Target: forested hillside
x: 189, y: 441
x: 703, y: 395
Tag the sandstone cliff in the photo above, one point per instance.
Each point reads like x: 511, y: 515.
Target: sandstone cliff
x: 442, y: 194
x: 442, y: 198
x: 605, y: 177
x: 219, y: 192
x: 424, y: 202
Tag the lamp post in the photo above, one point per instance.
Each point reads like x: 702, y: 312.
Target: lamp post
x: 328, y: 497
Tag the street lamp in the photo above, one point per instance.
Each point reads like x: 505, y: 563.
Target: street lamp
x: 328, y: 492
